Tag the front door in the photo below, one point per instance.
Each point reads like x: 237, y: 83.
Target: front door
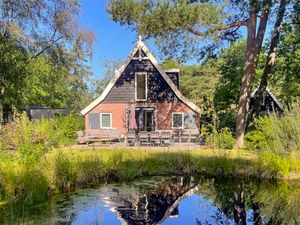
x: 145, y: 118
x: 148, y: 120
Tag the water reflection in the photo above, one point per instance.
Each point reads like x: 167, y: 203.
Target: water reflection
x: 155, y: 205
x: 174, y: 200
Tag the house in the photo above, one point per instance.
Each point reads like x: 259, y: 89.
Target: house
x: 269, y: 103
x: 153, y: 92
x: 36, y: 112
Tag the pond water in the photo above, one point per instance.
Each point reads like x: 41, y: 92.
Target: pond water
x: 172, y: 200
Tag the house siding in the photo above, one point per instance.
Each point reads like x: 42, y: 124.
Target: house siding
x: 163, y: 110
x: 124, y: 88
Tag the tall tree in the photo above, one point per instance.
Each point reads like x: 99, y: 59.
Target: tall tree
x: 43, y: 33
x: 181, y: 25
x: 270, y: 58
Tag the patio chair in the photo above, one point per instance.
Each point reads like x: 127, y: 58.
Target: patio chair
x: 176, y: 135
x: 166, y: 138
x: 131, y: 138
x: 195, y: 136
x: 81, y: 138
x: 154, y: 138
x: 144, y: 138
x: 185, y: 136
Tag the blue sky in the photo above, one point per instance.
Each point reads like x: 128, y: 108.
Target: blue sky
x: 112, y: 40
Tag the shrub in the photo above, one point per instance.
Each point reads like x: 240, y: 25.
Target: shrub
x: 221, y: 140
x: 61, y: 130
x: 279, y: 134
x: 21, y: 137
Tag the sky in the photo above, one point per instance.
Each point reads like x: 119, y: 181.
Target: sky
x: 112, y: 41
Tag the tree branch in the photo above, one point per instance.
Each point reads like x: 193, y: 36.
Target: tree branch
x: 228, y: 26
x: 51, y: 41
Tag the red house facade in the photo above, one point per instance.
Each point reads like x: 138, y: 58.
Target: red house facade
x: 154, y: 92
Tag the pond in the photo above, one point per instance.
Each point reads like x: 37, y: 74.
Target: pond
x: 171, y: 200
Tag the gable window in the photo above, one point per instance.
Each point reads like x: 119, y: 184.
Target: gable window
x: 105, y: 120
x: 141, y: 86
x: 177, y: 120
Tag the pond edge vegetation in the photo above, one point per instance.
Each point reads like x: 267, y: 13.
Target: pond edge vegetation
x: 34, y: 164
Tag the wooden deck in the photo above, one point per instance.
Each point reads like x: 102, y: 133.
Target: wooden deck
x: 176, y: 146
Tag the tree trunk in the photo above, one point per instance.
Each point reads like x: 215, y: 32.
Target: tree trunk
x: 239, y: 211
x: 1, y: 107
x: 254, y: 43
x: 270, y: 60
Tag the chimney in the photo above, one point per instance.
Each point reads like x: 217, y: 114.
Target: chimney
x: 173, y: 74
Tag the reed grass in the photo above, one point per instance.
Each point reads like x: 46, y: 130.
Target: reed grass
x: 65, y: 170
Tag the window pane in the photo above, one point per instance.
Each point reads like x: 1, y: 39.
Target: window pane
x: 141, y: 86
x: 105, y: 122
x: 177, y: 120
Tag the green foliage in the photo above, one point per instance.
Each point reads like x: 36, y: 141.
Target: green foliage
x: 21, y: 136
x: 23, y: 180
x: 43, y: 55
x: 231, y: 69
x: 170, y: 22
x: 274, y: 164
x: 285, y: 75
x: 65, y: 172
x: 281, y: 135
x: 32, y: 139
x: 221, y: 140
x: 62, y: 129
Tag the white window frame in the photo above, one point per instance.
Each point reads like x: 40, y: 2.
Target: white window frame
x: 110, y: 127
x: 146, y: 86
x: 178, y: 113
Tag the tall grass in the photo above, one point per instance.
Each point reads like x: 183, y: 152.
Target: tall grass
x: 66, y: 170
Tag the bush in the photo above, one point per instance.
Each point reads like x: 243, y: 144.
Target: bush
x: 277, y: 134
x: 35, y: 138
x: 21, y: 136
x: 61, y: 130
x: 221, y: 140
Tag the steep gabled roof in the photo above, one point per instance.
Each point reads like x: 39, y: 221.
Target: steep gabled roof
x: 140, y: 45
x: 272, y: 96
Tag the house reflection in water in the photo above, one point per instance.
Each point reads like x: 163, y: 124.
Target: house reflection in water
x: 153, y: 206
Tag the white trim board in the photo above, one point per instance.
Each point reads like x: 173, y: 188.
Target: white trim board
x: 118, y: 73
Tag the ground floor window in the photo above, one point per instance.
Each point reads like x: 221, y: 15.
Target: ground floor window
x: 105, y: 120
x: 177, y: 120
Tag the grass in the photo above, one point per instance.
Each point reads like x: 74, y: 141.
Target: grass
x: 65, y: 170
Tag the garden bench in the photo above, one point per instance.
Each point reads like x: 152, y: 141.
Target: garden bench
x: 101, y: 135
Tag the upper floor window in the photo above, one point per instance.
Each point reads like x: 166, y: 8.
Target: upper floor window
x: 140, y: 86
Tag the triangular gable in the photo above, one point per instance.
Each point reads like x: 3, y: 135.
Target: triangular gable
x: 271, y: 94
x: 141, y: 49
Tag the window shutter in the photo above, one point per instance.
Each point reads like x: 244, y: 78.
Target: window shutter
x: 94, y: 120
x: 190, y: 120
